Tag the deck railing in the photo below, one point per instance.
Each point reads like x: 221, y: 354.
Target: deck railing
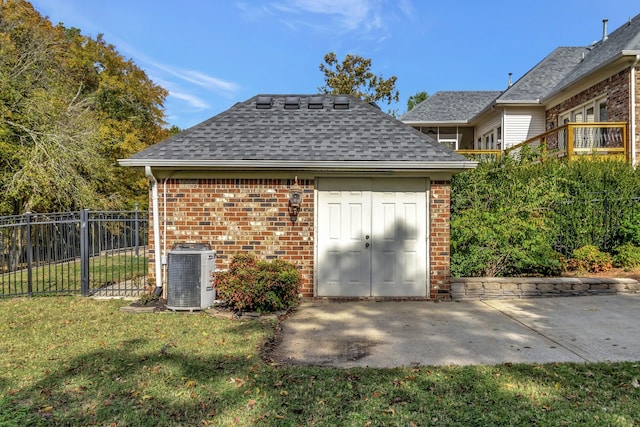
x: 569, y: 140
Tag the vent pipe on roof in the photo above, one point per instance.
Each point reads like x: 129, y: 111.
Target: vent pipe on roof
x: 604, y: 29
x: 510, y: 82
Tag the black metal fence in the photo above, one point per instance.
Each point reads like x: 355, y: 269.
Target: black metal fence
x: 605, y: 220
x: 87, y: 252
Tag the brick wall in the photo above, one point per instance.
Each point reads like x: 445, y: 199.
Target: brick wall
x: 251, y: 216
x: 241, y: 216
x: 440, y: 216
x: 616, y: 89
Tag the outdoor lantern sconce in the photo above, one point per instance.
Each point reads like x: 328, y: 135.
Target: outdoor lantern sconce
x: 295, y: 197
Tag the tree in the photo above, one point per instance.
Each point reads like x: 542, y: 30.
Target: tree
x: 70, y: 106
x: 353, y: 76
x: 416, y: 99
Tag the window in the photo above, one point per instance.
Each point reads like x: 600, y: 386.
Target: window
x: 594, y: 111
x: 602, y: 111
x: 489, y: 141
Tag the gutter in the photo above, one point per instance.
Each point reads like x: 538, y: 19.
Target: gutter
x: 252, y: 165
x: 432, y: 123
x: 155, y: 212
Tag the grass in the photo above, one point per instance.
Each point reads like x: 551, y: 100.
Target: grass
x: 75, y: 361
x: 104, y: 270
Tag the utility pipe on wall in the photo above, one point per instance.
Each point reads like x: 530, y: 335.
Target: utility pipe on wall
x: 155, y: 212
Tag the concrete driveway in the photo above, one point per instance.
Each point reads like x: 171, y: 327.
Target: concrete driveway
x: 391, y: 334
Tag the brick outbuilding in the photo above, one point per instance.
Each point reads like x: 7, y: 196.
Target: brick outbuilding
x: 356, y: 199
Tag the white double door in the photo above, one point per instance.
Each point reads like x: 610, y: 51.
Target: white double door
x: 372, y: 237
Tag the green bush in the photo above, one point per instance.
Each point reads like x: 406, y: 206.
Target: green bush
x: 590, y: 258
x: 629, y: 231
x: 627, y: 256
x: 517, y: 217
x: 498, y: 225
x: 262, y: 286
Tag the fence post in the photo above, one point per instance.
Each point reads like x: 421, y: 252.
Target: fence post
x: 29, y: 255
x: 84, y: 252
x: 136, y: 230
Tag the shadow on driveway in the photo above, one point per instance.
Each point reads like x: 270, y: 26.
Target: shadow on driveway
x: 391, y: 334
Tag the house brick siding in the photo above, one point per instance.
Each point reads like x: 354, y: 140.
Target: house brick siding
x: 440, y: 219
x: 241, y: 216
x: 615, y: 88
x: 251, y: 216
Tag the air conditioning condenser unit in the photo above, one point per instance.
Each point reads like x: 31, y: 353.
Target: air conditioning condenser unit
x: 190, y: 277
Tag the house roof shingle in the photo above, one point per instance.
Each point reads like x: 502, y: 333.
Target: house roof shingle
x: 298, y: 134
x: 561, y: 68
x: 624, y: 40
x: 450, y: 106
x: 542, y: 78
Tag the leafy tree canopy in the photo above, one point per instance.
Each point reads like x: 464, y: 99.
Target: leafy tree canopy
x: 70, y: 106
x: 353, y: 76
x: 416, y: 99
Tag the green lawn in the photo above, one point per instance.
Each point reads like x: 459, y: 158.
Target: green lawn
x: 103, y: 270
x: 75, y: 361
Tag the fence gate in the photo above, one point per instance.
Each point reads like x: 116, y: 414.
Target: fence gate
x: 96, y: 253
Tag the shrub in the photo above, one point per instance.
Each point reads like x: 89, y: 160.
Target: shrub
x: 627, y: 256
x: 590, y: 258
x: 498, y: 225
x: 509, y: 217
x: 262, y: 286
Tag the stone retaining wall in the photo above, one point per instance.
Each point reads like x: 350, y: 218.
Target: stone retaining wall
x: 475, y: 288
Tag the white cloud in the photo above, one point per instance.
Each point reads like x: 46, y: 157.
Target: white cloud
x: 203, y: 80
x: 190, y: 99
x: 336, y: 16
x: 351, y: 14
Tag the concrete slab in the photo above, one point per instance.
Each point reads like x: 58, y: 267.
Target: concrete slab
x: 390, y: 334
x: 595, y: 328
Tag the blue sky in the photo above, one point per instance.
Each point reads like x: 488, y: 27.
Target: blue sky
x: 211, y: 54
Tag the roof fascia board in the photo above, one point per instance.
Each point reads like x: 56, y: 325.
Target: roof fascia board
x: 277, y: 164
x: 436, y: 122
x: 278, y: 174
x: 523, y: 102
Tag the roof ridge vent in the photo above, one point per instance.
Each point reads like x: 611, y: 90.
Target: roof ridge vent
x: 341, y: 103
x: 292, y: 103
x: 316, y: 102
x: 264, y: 102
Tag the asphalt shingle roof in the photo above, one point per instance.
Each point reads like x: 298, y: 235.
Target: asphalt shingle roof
x: 247, y: 133
x: 541, y: 79
x: 624, y: 38
x: 456, y: 106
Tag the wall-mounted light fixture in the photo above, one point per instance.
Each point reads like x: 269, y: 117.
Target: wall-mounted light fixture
x: 295, y: 197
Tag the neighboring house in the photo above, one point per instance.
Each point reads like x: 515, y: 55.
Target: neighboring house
x: 577, y: 100
x: 373, y: 216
